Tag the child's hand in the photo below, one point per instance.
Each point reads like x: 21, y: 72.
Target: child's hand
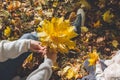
x: 51, y: 54
x: 98, y: 61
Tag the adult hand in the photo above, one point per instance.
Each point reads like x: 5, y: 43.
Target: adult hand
x: 36, y: 46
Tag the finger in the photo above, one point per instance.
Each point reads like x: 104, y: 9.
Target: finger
x: 45, y: 56
x: 42, y: 47
x: 40, y: 44
x: 45, y: 52
x: 42, y: 51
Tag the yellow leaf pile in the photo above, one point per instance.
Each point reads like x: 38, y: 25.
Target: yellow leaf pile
x: 93, y: 57
x: 7, y: 31
x: 107, y: 16
x: 70, y: 72
x: 14, y: 5
x: 57, y: 35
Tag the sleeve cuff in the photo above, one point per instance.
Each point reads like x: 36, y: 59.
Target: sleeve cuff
x: 28, y: 42
x: 98, y: 65
x: 49, y: 61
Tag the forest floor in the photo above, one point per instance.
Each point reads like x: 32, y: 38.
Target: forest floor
x: 101, y: 31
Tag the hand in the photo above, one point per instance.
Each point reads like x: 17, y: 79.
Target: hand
x: 51, y: 54
x: 98, y: 61
x: 35, y: 46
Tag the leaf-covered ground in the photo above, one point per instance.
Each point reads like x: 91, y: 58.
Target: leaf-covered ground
x: 101, y: 31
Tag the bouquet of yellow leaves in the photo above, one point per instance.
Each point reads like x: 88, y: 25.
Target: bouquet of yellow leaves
x: 57, y: 35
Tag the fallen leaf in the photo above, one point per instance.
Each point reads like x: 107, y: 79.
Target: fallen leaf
x: 100, y: 39
x: 7, y: 31
x: 107, y: 16
x: 85, y: 4
x: 64, y: 70
x: 70, y: 73
x: 97, y: 24
x: 84, y: 29
x: 115, y: 43
x: 55, y: 3
x: 55, y: 66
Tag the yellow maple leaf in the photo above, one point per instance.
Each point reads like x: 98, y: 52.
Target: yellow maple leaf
x: 84, y: 29
x: 55, y: 3
x: 97, y: 24
x: 93, y: 57
x: 85, y: 3
x: 86, y: 40
x: 107, y: 16
x: 28, y: 63
x: 29, y: 58
x: 7, y: 31
x: 65, y: 69
x: 115, y: 43
x: 38, y: 29
x: 70, y: 73
x: 57, y: 34
x: 55, y: 66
